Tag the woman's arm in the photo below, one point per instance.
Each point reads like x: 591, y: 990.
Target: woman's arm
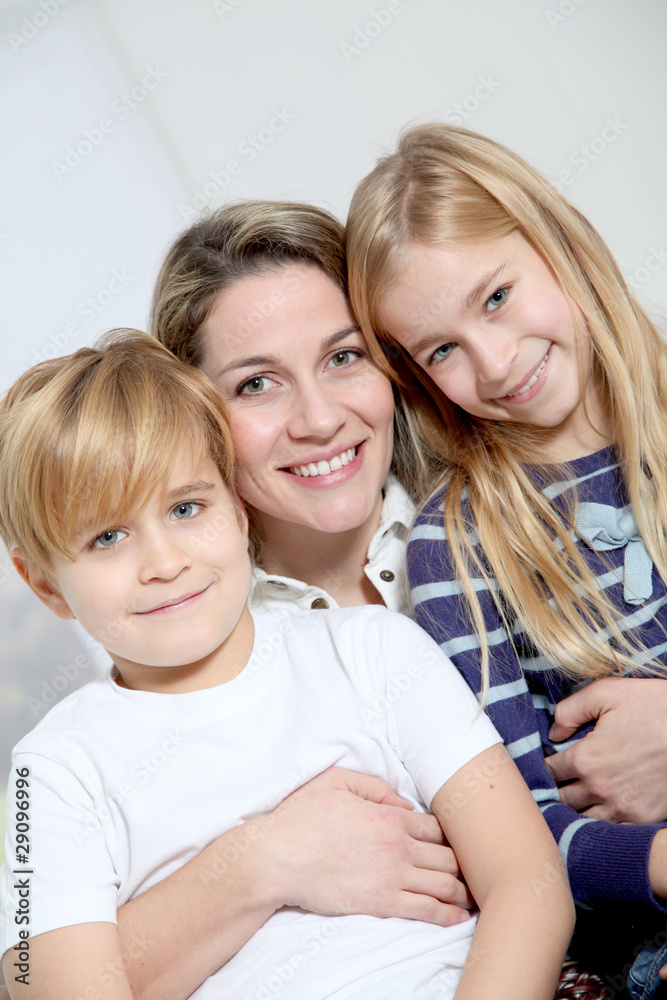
x: 516, y: 874
x: 342, y: 843
x: 611, y: 774
x: 83, y: 960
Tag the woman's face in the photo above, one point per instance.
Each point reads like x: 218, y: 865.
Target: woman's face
x: 311, y: 416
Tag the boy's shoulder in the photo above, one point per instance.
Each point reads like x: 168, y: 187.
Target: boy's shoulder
x: 73, y: 712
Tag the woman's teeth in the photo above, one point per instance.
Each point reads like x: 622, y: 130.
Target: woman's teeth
x: 324, y: 468
x: 531, y: 381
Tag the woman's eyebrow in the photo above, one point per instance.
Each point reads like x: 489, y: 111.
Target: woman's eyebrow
x: 266, y: 360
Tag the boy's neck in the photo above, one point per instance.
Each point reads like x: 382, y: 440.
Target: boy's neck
x: 222, y: 665
x: 333, y: 561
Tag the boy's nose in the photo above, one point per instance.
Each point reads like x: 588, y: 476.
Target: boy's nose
x: 163, y: 558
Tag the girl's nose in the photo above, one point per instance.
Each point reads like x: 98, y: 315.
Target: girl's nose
x: 494, y: 358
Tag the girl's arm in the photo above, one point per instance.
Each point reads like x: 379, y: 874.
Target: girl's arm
x: 83, y: 960
x: 517, y: 877
x: 342, y: 843
x: 605, y: 860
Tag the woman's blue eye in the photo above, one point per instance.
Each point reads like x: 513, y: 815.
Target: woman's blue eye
x: 107, y: 539
x: 185, y: 510
x: 496, y: 299
x: 442, y: 352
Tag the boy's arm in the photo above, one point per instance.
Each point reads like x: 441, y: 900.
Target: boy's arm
x: 342, y: 843
x: 83, y: 960
x: 516, y: 875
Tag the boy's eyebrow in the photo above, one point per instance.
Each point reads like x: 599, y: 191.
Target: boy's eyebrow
x: 199, y: 487
x: 262, y: 360
x: 480, y: 287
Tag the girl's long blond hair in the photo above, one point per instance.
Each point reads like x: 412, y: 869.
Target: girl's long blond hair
x: 447, y: 186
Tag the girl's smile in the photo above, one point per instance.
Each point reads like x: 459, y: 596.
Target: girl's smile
x: 498, y: 336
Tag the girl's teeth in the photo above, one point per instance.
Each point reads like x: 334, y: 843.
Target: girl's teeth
x: 323, y: 468
x: 530, y: 383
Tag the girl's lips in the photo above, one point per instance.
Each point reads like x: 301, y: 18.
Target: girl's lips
x: 532, y: 384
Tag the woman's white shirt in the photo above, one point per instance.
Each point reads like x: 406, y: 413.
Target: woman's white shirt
x: 385, y: 566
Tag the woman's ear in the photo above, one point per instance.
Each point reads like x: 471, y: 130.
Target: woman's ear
x: 40, y: 585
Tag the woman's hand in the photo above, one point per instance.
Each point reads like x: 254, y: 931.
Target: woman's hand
x: 614, y: 775
x: 343, y: 843
x: 346, y: 843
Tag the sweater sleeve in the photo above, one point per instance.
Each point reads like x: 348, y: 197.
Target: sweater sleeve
x: 605, y: 860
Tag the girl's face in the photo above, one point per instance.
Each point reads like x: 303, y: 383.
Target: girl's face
x: 493, y: 329
x: 311, y: 416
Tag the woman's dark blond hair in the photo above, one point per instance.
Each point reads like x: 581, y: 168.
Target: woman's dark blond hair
x: 246, y: 239
x: 446, y: 186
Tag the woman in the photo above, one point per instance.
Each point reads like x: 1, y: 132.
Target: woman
x: 256, y: 295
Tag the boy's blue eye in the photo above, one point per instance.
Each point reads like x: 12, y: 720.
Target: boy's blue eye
x: 108, y: 538
x: 185, y: 510
x: 442, y: 352
x: 496, y: 299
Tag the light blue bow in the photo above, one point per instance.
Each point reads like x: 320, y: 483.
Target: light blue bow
x: 603, y: 528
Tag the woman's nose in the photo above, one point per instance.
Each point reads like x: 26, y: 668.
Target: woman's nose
x: 316, y: 413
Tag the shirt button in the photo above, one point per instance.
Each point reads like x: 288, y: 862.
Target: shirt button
x: 319, y: 602
x: 386, y: 575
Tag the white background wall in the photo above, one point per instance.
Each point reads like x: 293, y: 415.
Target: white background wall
x: 119, y: 118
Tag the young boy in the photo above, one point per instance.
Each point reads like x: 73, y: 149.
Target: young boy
x: 117, y: 502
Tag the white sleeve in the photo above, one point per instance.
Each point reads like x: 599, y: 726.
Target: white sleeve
x: 67, y: 876
x: 433, y: 718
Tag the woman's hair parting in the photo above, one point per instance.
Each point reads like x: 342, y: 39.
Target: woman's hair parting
x: 447, y: 186
x: 85, y: 438
x: 238, y: 241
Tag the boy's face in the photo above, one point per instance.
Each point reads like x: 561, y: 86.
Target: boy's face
x: 164, y: 592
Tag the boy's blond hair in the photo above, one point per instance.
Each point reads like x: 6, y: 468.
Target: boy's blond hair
x: 85, y: 438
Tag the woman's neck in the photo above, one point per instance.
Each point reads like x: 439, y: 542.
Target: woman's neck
x: 333, y: 561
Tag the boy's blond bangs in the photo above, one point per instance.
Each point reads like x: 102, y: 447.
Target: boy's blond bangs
x: 85, y: 439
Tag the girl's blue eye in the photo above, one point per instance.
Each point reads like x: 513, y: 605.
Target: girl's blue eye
x: 185, y: 510
x: 496, y: 299
x: 108, y: 538
x: 442, y: 352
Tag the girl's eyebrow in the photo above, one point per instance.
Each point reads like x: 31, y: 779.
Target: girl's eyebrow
x: 265, y: 360
x: 481, y: 285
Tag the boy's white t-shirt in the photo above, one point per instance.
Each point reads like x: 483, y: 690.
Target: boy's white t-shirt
x: 126, y: 786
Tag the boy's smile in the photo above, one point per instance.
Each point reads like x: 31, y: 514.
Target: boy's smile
x: 165, y: 591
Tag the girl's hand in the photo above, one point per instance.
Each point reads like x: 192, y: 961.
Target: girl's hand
x: 346, y: 843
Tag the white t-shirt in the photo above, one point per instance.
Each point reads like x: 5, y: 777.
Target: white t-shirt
x: 385, y: 566
x: 126, y: 786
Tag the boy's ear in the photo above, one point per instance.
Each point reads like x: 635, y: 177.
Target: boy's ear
x: 40, y: 585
